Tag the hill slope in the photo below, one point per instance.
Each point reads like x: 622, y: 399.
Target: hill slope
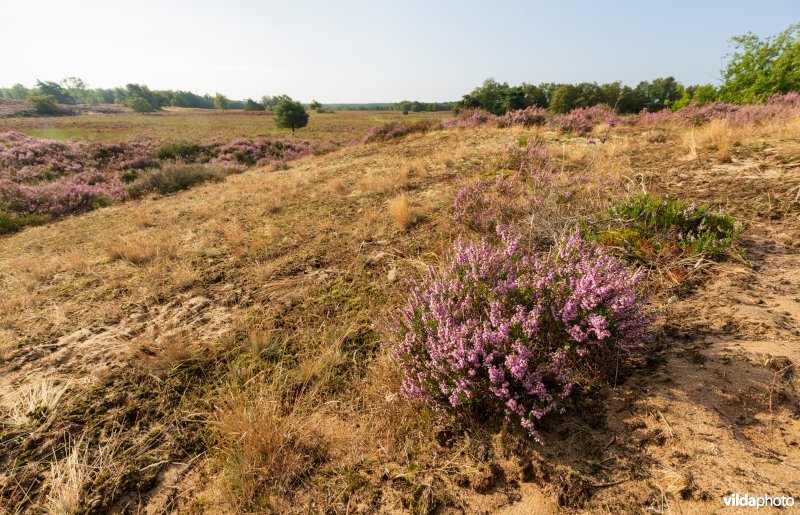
x: 222, y: 349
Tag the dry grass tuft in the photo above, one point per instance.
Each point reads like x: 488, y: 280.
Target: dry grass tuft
x: 69, y: 475
x: 140, y: 248
x: 265, y: 445
x: 338, y: 186
x: 36, y: 402
x: 7, y: 344
x: 400, y: 209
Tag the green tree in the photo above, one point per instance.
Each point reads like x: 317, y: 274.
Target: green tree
x: 565, y: 99
x: 252, y: 105
x: 270, y: 103
x: 759, y: 68
x: 55, y: 90
x: 316, y: 106
x: 44, y: 104
x: 290, y: 114
x: 221, y: 101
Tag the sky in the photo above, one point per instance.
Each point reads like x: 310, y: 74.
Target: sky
x: 372, y: 51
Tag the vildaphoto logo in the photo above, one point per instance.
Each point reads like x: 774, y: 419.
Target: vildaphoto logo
x: 750, y: 501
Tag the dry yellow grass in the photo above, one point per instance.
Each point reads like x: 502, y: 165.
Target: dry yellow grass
x: 141, y: 248
x: 267, y: 300
x: 400, y: 209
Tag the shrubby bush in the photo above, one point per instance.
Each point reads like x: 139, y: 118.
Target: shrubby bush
x: 503, y: 331
x: 44, y: 104
x: 140, y: 105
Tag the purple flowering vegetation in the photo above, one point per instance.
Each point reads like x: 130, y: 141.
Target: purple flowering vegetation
x: 502, y: 330
x: 55, y: 178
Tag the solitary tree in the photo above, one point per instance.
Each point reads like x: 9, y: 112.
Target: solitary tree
x: 316, y: 106
x: 290, y: 114
x: 221, y: 101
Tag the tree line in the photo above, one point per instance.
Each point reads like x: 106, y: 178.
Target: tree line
x: 755, y: 70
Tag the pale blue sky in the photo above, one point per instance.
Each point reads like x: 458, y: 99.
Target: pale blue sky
x: 372, y: 51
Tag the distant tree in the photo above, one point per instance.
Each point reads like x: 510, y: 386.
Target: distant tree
x: 316, y: 106
x: 290, y: 114
x: 534, y: 95
x: 252, y: 105
x: 132, y: 91
x: 660, y: 93
x: 77, y: 89
x: 19, y: 92
x: 565, y: 99
x: 140, y: 105
x: 759, y: 68
x: 44, y: 104
x: 55, y: 90
x: 221, y: 101
x: 270, y: 103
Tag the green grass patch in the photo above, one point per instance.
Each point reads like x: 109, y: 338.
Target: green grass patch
x: 171, y: 179
x: 13, y: 223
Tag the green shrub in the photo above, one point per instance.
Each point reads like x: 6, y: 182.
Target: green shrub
x: 649, y: 225
x: 179, y: 150
x: 172, y: 178
x: 9, y: 223
x: 140, y: 105
x: 44, y: 104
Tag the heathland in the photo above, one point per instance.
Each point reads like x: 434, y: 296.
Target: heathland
x: 526, y: 313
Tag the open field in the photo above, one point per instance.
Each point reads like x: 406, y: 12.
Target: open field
x: 338, y: 127
x: 223, y: 349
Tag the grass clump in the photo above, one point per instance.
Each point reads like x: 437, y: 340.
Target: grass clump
x: 650, y: 225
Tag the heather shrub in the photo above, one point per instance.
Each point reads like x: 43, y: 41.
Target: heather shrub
x: 470, y: 119
x: 173, y: 178
x: 12, y: 223
x: 500, y: 331
x: 527, y: 186
x: 528, y: 117
x: 392, y: 130
x: 581, y: 121
x: 648, y: 225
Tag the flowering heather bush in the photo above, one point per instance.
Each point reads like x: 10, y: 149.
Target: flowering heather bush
x: 48, y: 177
x: 581, y: 121
x: 528, y: 117
x: 392, y: 130
x: 470, y: 119
x: 528, y: 179
x: 778, y: 107
x: 502, y: 331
